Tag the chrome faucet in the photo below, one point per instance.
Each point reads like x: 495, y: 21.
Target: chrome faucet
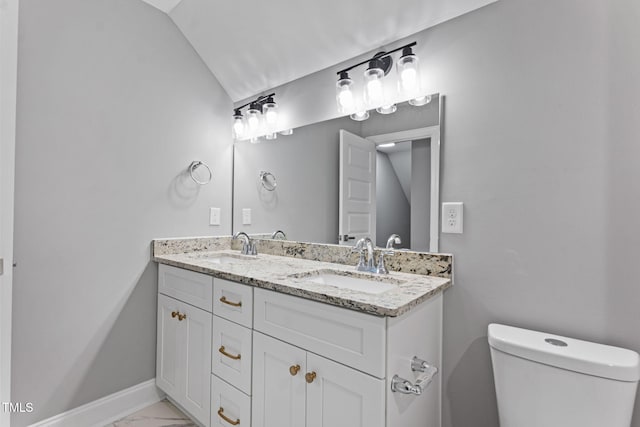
x: 360, y: 246
x: 248, y: 246
x: 279, y: 233
x: 393, y: 239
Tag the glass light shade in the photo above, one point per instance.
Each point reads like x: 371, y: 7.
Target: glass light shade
x: 254, y: 140
x: 408, y: 76
x: 238, y: 127
x: 271, y: 136
x: 270, y: 114
x: 387, y: 109
x: 253, y: 120
x: 373, y: 93
x: 344, y: 95
x: 421, y: 100
x: 286, y: 132
x: 360, y: 116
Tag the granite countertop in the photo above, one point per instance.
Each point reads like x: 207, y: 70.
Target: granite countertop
x: 290, y: 276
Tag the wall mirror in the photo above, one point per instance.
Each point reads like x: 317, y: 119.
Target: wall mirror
x: 315, y: 189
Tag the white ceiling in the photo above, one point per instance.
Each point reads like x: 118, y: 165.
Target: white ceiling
x: 255, y: 45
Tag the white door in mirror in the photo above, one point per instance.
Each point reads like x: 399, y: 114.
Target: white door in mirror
x: 452, y: 217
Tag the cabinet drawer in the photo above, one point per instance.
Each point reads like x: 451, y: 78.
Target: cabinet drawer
x: 346, y: 336
x: 230, y: 403
x: 233, y: 301
x: 187, y: 286
x: 231, y: 355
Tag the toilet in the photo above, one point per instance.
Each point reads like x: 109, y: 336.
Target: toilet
x: 545, y: 380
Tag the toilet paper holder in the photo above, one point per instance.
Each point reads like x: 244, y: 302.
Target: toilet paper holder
x: 428, y: 372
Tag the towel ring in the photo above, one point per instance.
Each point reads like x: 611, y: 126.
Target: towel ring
x: 268, y: 181
x: 195, y: 165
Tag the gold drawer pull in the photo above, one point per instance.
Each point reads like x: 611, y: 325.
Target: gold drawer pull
x: 310, y: 376
x: 233, y: 304
x: 230, y: 356
x: 174, y: 313
x: 293, y: 370
x: 227, y: 419
x: 181, y: 316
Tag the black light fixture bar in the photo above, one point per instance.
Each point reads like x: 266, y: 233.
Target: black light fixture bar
x: 376, y: 56
x: 258, y: 100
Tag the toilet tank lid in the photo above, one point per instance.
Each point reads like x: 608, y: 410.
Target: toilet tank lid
x: 566, y: 353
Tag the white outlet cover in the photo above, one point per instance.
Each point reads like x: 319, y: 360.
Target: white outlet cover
x: 214, y: 216
x: 246, y: 216
x: 452, y: 215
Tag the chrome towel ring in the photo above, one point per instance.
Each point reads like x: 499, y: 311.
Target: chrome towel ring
x: 195, y: 165
x: 268, y: 181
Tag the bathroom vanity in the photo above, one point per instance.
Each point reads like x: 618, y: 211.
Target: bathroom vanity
x: 299, y: 338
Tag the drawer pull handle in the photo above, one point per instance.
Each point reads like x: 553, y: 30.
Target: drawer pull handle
x: 310, y: 376
x: 293, y: 370
x: 230, y: 356
x: 181, y: 316
x: 231, y: 303
x: 227, y: 419
x: 174, y: 313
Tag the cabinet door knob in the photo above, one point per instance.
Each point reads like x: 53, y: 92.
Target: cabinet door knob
x: 293, y: 370
x: 231, y: 303
x: 310, y: 376
x: 229, y: 355
x: 227, y: 419
x: 181, y: 316
x: 174, y: 314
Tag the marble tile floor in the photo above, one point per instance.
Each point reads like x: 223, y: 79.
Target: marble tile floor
x: 161, y: 414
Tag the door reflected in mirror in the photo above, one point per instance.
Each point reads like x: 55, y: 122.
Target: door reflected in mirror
x: 306, y: 203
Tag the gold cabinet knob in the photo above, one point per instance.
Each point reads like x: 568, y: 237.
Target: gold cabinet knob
x: 310, y: 376
x: 181, y: 316
x: 293, y: 370
x: 174, y: 314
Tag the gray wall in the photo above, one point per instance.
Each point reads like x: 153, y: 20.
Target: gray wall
x: 540, y: 143
x: 113, y: 105
x: 393, y: 211
x: 420, y: 194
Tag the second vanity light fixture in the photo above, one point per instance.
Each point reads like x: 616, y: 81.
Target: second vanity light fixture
x: 261, y: 119
x: 374, y: 96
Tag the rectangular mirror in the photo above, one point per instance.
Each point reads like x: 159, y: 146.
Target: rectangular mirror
x: 294, y: 183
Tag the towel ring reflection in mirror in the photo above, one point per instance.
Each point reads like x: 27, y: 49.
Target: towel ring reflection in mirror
x: 195, y: 165
x: 268, y: 181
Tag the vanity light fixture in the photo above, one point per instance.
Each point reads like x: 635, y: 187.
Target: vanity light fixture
x: 261, y: 119
x: 373, y: 90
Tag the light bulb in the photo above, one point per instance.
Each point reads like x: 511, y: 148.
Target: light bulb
x: 238, y: 125
x: 344, y: 95
x: 409, y: 76
x: 373, y: 87
x: 253, y: 120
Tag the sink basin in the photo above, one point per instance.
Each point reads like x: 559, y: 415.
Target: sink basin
x: 228, y: 259
x: 355, y: 283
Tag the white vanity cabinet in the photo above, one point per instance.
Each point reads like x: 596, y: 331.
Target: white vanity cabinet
x: 268, y: 359
x: 183, y: 358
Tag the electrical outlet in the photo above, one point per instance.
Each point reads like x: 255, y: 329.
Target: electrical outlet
x: 214, y: 216
x: 452, y: 217
x: 246, y: 216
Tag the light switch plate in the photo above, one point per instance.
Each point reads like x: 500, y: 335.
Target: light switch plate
x: 246, y: 216
x: 214, y: 216
x: 452, y: 217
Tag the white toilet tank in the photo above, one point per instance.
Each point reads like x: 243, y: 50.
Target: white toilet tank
x: 544, y: 380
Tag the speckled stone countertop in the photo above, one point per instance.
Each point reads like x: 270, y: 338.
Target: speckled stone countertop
x: 291, y: 275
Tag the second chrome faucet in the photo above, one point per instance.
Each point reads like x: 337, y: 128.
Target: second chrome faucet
x: 369, y: 265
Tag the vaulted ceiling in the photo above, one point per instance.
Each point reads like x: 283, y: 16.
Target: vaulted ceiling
x: 254, y: 45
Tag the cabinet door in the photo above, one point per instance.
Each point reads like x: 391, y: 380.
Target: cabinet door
x: 343, y: 397
x: 278, y: 388
x: 170, y: 343
x: 197, y: 362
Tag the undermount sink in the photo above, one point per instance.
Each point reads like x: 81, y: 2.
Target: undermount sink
x: 359, y: 283
x: 228, y: 259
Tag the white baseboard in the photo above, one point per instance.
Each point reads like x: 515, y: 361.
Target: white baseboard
x: 107, y: 409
